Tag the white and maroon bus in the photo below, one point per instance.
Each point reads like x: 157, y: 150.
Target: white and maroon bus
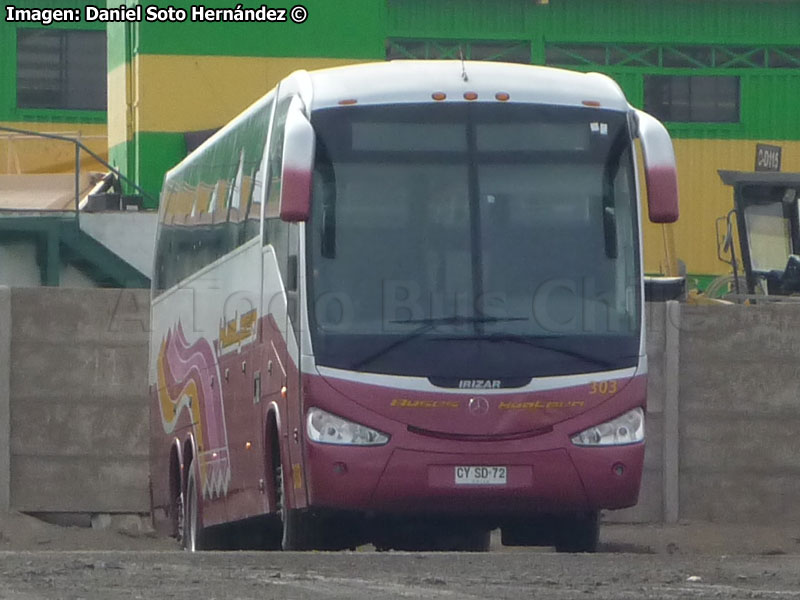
x: 402, y: 303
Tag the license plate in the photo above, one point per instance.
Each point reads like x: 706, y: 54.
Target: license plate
x: 481, y: 475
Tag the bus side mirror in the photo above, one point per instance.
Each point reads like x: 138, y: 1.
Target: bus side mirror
x: 659, y: 169
x: 298, y: 163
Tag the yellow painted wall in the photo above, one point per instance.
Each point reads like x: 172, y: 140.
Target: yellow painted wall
x: 703, y: 198
x: 193, y: 93
x: 25, y: 154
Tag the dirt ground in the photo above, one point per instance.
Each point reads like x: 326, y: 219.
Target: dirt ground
x: 40, y: 561
x: 23, y: 532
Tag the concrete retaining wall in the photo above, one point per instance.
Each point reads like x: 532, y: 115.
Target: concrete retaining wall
x: 78, y: 387
x: 740, y: 413
x: 723, y: 408
x: 723, y: 445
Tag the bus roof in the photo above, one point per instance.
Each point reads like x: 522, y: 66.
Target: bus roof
x: 410, y: 81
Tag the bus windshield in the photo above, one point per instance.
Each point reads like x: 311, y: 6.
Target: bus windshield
x: 473, y: 240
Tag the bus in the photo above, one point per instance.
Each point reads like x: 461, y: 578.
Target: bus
x: 402, y: 304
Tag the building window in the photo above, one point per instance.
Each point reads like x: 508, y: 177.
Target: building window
x: 692, y: 98
x: 510, y: 51
x: 61, y: 69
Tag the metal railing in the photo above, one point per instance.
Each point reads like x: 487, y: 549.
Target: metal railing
x: 79, y: 146
x: 15, y: 144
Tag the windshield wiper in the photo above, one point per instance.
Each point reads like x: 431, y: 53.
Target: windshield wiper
x: 425, y: 326
x: 534, y: 341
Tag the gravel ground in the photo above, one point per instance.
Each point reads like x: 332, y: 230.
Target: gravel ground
x: 691, y: 560
x: 23, y: 532
x: 372, y: 575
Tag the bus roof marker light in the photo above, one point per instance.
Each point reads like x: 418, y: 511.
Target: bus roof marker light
x: 439, y: 96
x: 502, y: 96
x: 348, y: 102
x: 470, y: 96
x: 592, y: 103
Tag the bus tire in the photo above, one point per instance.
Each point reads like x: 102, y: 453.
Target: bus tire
x: 194, y: 538
x: 178, y: 510
x: 580, y: 534
x: 297, y: 531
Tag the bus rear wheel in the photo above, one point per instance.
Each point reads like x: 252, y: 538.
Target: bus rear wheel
x: 193, y: 537
x: 178, y: 509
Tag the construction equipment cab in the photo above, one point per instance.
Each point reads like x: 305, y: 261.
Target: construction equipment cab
x: 767, y: 219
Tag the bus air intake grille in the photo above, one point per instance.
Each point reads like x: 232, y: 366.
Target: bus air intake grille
x: 471, y: 437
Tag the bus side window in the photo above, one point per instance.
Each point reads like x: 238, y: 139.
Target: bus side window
x: 254, y: 136
x: 276, y: 159
x: 253, y: 217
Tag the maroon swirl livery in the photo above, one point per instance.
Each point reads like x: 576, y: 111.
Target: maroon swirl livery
x: 187, y: 374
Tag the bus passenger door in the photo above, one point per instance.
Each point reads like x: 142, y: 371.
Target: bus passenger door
x: 294, y: 400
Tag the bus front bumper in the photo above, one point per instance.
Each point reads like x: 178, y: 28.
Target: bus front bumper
x: 413, y: 481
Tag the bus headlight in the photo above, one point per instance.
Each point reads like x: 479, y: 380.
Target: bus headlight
x: 326, y: 428
x: 625, y: 429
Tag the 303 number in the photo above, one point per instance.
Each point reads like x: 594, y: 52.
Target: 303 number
x: 604, y: 388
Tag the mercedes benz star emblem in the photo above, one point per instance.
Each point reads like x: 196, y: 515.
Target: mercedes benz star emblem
x: 478, y: 406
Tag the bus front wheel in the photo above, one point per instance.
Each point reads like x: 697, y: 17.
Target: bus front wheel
x: 297, y: 525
